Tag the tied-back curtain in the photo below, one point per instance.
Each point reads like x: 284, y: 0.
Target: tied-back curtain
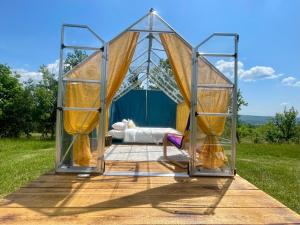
x: 87, y: 95
x: 182, y: 113
x: 82, y: 95
x: 210, y: 152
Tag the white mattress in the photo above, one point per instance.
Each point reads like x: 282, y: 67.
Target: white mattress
x: 117, y: 134
x: 147, y: 134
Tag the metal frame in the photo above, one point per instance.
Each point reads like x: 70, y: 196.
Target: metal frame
x: 152, y: 31
x: 233, y: 115
x: 59, y: 167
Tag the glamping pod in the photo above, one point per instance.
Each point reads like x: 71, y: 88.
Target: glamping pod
x: 194, y: 105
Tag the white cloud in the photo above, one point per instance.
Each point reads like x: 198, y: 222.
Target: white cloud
x: 284, y: 104
x: 290, y: 81
x: 25, y: 74
x: 297, y: 84
x: 251, y: 74
x: 54, y: 67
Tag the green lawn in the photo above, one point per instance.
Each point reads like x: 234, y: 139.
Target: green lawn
x: 273, y: 168
x: 22, y: 160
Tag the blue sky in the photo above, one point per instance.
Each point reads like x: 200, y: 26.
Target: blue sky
x: 269, y: 37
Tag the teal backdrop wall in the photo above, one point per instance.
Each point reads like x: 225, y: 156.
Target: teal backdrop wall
x: 158, y: 111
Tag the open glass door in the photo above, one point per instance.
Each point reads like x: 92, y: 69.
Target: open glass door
x: 213, y: 113
x: 81, y: 106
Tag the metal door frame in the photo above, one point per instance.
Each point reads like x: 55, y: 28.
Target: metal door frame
x: 233, y: 114
x: 60, y: 106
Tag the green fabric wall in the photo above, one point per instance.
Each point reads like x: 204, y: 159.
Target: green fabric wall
x: 161, y: 110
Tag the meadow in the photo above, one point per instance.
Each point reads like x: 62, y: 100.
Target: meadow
x: 274, y: 168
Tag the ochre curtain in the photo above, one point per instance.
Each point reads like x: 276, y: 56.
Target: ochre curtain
x: 210, y: 152
x: 118, y: 65
x: 87, y: 95
x: 82, y: 95
x: 182, y: 114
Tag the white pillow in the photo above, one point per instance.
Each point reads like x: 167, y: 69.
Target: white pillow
x: 125, y: 122
x: 131, y: 124
x: 119, y: 126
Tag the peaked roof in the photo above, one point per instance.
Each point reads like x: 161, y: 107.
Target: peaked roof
x: 146, y: 64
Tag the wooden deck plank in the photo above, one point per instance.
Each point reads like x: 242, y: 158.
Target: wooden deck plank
x: 120, y: 185
x: 68, y: 199
x: 148, y: 216
x: 126, y: 179
x: 139, y: 200
x: 120, y: 192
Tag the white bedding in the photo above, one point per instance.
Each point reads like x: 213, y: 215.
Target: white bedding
x: 117, y: 134
x: 147, y: 134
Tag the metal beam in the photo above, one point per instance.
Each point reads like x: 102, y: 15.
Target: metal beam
x: 215, y: 86
x: 81, y: 47
x: 151, y: 31
x: 59, y: 113
x: 79, y: 109
x: 213, y: 35
x: 81, y: 80
x: 212, y: 114
x: 85, y: 27
x: 216, y: 54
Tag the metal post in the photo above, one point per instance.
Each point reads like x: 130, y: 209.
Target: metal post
x: 59, y: 111
x: 150, y: 36
x: 234, y: 108
x: 102, y: 120
x: 193, y: 121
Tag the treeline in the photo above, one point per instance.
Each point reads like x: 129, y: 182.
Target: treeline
x: 27, y: 107
x: 31, y: 106
x: 283, y: 128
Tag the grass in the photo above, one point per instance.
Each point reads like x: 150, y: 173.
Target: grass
x: 273, y: 168
x: 23, y: 160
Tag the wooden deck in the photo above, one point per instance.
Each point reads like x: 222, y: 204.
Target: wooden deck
x: 68, y: 199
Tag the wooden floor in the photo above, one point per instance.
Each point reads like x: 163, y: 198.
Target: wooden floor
x: 69, y: 199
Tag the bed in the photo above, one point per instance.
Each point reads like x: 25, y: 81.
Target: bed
x: 153, y: 135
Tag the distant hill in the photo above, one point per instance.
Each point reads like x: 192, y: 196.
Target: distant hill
x: 257, y: 120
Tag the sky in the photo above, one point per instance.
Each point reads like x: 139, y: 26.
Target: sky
x: 269, y: 46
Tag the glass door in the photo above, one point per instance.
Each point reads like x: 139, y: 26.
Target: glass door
x: 81, y: 105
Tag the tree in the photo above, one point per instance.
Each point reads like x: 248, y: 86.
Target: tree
x: 74, y: 59
x: 45, y: 96
x: 283, y: 128
x: 240, y: 103
x: 16, y: 105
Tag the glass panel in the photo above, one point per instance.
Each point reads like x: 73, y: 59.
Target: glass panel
x: 218, y: 44
x: 82, y: 95
x: 86, y: 65
x: 67, y: 154
x: 157, y: 24
x: 81, y: 37
x: 214, y: 100
x: 214, y: 148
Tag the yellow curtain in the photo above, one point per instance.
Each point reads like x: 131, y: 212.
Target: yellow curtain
x: 182, y: 114
x: 211, y: 153
x: 82, y: 95
x: 87, y: 95
x: 119, y: 62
